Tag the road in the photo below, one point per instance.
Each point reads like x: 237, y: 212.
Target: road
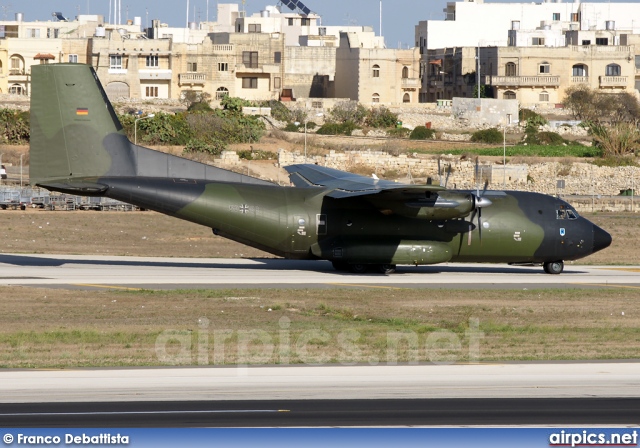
x: 81, y: 271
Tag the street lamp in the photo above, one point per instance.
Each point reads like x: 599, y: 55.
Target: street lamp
x: 297, y: 123
x: 135, y: 127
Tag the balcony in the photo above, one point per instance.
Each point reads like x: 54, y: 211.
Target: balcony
x: 154, y: 74
x: 613, y: 81
x: 258, y: 68
x: 580, y: 80
x: 192, y: 79
x: 410, y: 83
x: 217, y: 49
x: 522, y: 81
x: 602, y: 49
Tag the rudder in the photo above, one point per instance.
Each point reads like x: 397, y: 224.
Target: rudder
x: 75, y: 132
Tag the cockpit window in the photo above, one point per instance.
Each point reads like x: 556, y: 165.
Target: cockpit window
x: 566, y: 214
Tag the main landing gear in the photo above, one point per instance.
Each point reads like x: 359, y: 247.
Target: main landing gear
x: 361, y: 268
x: 553, y: 267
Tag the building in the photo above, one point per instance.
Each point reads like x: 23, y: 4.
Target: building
x: 371, y: 74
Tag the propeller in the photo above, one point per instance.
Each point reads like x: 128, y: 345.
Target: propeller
x: 479, y: 202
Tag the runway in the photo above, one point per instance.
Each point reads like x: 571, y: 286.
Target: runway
x: 483, y: 394
x: 97, y: 272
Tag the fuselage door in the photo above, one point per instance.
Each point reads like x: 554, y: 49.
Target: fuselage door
x: 301, y: 232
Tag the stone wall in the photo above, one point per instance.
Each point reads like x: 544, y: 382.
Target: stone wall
x: 580, y: 178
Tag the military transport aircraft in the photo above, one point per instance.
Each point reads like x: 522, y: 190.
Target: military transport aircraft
x: 358, y: 223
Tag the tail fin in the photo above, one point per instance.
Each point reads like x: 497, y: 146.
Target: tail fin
x: 77, y: 140
x: 75, y: 132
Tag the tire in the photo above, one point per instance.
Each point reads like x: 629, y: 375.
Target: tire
x: 358, y: 268
x: 553, y: 267
x: 386, y: 269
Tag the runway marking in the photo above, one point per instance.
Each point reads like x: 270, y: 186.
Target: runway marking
x: 622, y: 269
x: 360, y: 285
x: 608, y: 285
x: 220, y: 411
x: 107, y: 286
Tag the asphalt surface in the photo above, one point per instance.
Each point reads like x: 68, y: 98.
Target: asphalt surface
x: 94, y: 272
x: 343, y: 413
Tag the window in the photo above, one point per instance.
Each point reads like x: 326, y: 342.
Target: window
x: 290, y: 21
x: 375, y: 98
x: 539, y: 41
x: 544, y: 68
x: 223, y: 66
x: 613, y: 70
x: 277, y: 57
x: 510, y: 69
x: 602, y: 41
x: 509, y: 95
x: 255, y: 28
x: 73, y: 58
x: 33, y: 32
x: 322, y: 31
x: 115, y: 61
x: 16, y: 89
x: 406, y: 98
x: 53, y: 33
x: 556, y: 16
x: 152, y: 61
x: 151, y: 92
x: 376, y: 71
x: 575, y: 16
x: 15, y: 66
x: 586, y: 42
x: 221, y: 93
x: 579, y: 70
x: 250, y: 59
x: 249, y: 83
x: 192, y: 67
x: 277, y: 82
x: 405, y: 72
x: 637, y: 61
x: 544, y: 97
x: 306, y: 22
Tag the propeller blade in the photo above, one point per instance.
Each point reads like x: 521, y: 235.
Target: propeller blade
x: 476, y: 175
x: 473, y: 215
x: 439, y: 174
x: 480, y: 225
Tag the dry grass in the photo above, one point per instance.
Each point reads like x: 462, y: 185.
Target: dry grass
x: 67, y: 328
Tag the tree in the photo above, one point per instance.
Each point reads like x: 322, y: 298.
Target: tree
x: 612, y: 118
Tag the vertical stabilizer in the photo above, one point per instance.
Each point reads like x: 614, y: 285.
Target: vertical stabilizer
x: 75, y: 132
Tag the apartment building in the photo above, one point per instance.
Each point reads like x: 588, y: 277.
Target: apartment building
x: 373, y: 75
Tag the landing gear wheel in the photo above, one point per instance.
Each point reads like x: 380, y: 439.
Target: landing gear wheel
x: 340, y: 265
x: 358, y: 268
x: 553, y: 267
x: 386, y: 269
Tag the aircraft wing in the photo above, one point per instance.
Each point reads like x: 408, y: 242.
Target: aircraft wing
x: 346, y: 184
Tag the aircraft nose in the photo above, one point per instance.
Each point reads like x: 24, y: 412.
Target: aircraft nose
x: 601, y: 239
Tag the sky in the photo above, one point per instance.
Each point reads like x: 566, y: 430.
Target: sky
x: 399, y: 17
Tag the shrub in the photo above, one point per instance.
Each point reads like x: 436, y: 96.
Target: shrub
x: 345, y: 128
x: 544, y: 138
x: 398, y: 132
x: 14, y: 127
x: 291, y: 127
x: 421, y: 133
x: 348, y: 111
x: 212, y: 146
x: 381, y: 117
x: 278, y: 110
x: 491, y: 135
x: 257, y: 154
x: 528, y: 114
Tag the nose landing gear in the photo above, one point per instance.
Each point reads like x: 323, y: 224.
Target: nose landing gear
x: 553, y: 267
